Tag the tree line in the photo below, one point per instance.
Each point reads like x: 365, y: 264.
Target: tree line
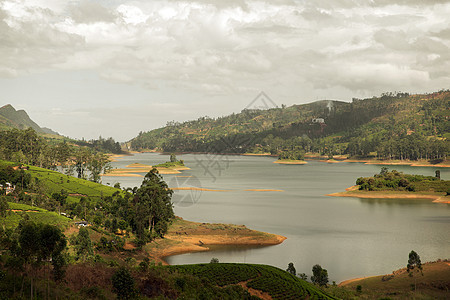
x: 392, y: 126
x: 27, y: 147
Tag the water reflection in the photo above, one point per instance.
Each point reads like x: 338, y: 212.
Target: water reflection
x: 396, y: 201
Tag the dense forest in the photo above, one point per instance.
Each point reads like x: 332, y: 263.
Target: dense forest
x: 392, y: 126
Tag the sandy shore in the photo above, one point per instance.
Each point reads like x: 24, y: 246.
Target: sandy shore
x: 354, y: 192
x: 290, y: 162
x: 330, y: 161
x: 346, y: 282
x: 185, y: 237
x: 132, y: 170
x: 197, y: 189
x: 420, y: 163
x: 116, y: 157
x: 120, y: 175
x: 263, y: 190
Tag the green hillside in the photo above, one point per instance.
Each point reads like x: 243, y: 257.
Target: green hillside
x: 19, y: 119
x: 277, y: 283
x: 19, y: 211
x: 385, y: 126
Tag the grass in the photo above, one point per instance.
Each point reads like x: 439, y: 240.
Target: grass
x: 35, y: 214
x: 54, y: 182
x: 434, y: 284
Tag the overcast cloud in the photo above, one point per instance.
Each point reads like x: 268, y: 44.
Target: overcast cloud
x: 114, y: 68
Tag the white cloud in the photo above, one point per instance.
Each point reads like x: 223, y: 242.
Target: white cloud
x: 339, y: 49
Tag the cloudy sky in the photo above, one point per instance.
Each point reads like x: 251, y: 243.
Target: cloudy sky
x: 116, y: 67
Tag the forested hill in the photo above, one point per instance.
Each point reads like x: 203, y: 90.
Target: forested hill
x: 19, y: 119
x: 394, y: 125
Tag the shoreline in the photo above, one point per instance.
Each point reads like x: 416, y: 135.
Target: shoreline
x: 324, y: 158
x: 355, y: 193
x: 290, y: 162
x: 131, y: 170
x: 189, y: 237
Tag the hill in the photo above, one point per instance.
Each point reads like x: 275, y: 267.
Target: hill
x: 434, y: 284
x: 19, y: 119
x: 380, y: 126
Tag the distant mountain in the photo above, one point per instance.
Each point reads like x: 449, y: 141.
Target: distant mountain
x: 392, y: 125
x: 19, y: 119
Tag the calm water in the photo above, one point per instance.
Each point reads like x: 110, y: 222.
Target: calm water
x: 350, y: 237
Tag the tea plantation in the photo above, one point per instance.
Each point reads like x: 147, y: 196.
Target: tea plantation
x: 277, y: 283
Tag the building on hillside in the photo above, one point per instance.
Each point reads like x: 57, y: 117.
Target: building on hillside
x: 8, y: 187
x: 82, y: 224
x: 318, y: 120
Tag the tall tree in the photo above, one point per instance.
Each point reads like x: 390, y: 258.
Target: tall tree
x: 82, y: 244
x: 414, y: 265
x: 154, y: 210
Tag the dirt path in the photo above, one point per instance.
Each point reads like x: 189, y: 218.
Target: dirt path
x: 254, y: 292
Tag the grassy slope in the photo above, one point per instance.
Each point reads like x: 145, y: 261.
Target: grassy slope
x: 434, y: 284
x: 54, y: 181
x: 36, y: 214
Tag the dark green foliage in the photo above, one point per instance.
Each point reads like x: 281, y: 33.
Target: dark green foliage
x: 102, y: 145
x: 59, y: 263
x: 153, y: 207
x: 292, y: 155
x: 214, y: 260
x: 320, y: 276
x: 3, y: 207
x: 123, y: 284
x: 397, y: 181
x: 82, y: 244
x: 414, y: 263
x: 291, y: 269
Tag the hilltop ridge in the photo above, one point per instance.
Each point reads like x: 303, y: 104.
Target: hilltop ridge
x: 19, y: 119
x: 381, y: 127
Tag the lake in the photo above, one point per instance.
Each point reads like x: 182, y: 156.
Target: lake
x: 350, y: 237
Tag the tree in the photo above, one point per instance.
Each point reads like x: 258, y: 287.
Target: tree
x: 154, y: 210
x: 438, y: 174
x: 97, y: 164
x: 83, y: 244
x: 320, y: 276
x: 414, y: 265
x: 214, y: 260
x: 173, y: 157
x: 123, y: 284
x: 3, y: 207
x: 291, y: 269
x: 303, y: 276
x: 60, y: 198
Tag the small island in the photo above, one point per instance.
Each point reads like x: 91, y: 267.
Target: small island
x: 173, y: 166
x: 394, y: 184
x: 291, y: 157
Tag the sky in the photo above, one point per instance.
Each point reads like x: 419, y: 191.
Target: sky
x: 113, y: 68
